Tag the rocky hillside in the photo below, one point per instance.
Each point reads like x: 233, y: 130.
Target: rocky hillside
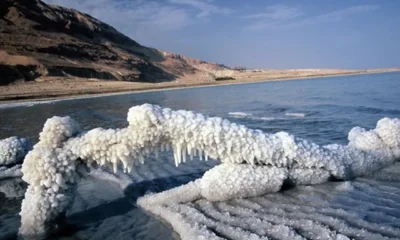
x: 37, y: 39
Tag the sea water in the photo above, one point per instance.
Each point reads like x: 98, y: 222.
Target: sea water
x: 321, y: 110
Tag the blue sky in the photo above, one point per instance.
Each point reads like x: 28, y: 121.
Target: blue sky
x: 260, y: 33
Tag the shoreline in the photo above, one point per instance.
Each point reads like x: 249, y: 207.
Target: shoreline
x: 155, y: 87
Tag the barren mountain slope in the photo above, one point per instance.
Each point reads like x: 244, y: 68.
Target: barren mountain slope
x: 37, y: 39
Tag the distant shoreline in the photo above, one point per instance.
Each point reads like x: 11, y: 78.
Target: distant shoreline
x: 87, y: 88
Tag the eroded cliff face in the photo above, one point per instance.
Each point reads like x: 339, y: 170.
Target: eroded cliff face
x: 66, y: 42
x: 14, y: 68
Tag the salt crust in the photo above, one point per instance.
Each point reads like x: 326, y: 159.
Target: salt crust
x: 253, y: 162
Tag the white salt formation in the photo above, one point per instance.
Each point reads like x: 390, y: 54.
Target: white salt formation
x: 360, y: 209
x: 228, y: 181
x: 51, y: 173
x: 254, y: 163
x: 10, y: 172
x: 13, y: 150
x: 12, y: 188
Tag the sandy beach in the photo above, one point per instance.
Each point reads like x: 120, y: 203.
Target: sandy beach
x: 60, y: 88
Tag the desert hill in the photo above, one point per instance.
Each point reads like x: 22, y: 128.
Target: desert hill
x: 37, y: 39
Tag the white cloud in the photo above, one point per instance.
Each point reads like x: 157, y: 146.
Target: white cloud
x: 340, y: 14
x: 205, y: 7
x: 131, y: 14
x: 151, y: 23
x: 280, y: 16
x: 277, y: 12
x: 147, y: 21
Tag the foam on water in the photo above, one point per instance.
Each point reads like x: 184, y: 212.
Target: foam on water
x: 267, y: 118
x: 243, y: 115
x: 240, y: 114
x: 301, y: 115
x: 27, y: 104
x: 260, y: 118
x: 52, y: 101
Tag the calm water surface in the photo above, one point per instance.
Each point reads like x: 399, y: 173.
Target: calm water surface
x: 330, y: 106
x: 322, y: 110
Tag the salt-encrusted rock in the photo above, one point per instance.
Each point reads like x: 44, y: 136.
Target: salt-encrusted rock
x: 13, y: 150
x: 10, y: 172
x: 228, y: 181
